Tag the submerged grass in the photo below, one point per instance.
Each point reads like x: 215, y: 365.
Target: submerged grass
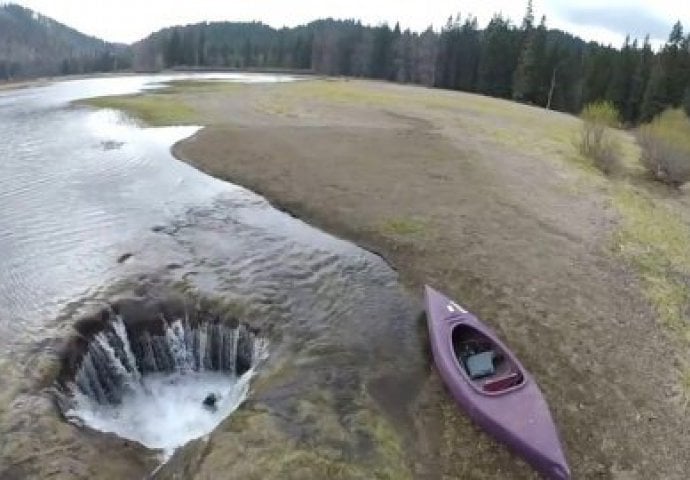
x: 167, y: 106
x: 153, y: 110
x: 198, y: 86
x: 330, y: 450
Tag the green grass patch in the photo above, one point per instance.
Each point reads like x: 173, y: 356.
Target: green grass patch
x: 175, y: 87
x: 342, y: 91
x: 151, y: 109
x: 656, y: 241
x: 403, y: 226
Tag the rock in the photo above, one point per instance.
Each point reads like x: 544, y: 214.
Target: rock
x: 111, y: 145
x: 210, y: 401
x: 124, y: 257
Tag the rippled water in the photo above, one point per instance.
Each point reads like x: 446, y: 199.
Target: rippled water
x: 90, y: 201
x: 78, y: 186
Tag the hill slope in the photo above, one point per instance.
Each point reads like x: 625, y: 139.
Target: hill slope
x: 32, y: 45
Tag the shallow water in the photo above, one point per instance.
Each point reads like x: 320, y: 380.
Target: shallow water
x: 91, y: 204
x: 77, y: 185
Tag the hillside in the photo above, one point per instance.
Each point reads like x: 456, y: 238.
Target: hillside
x: 33, y: 45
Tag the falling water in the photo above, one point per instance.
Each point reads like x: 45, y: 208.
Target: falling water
x: 151, y: 387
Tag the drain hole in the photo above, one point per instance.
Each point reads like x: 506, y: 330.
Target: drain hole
x: 157, y: 373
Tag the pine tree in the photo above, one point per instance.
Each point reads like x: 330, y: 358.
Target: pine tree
x: 620, y: 85
x: 656, y: 95
x: 674, y: 59
x: 247, y: 53
x: 381, y: 59
x: 528, y: 83
x: 528, y: 19
x: 467, y: 55
x: 201, y: 50
x: 638, y: 82
x: 498, y: 58
x: 676, y: 39
x: 173, y: 50
x: 669, y: 77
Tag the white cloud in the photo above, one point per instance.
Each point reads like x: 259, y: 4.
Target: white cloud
x: 130, y: 20
x: 610, y: 21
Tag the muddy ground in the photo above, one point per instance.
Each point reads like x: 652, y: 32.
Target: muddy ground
x: 489, y: 202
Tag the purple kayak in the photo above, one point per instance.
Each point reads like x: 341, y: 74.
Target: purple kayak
x: 491, y: 385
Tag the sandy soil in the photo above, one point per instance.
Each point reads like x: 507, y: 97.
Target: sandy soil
x: 489, y: 202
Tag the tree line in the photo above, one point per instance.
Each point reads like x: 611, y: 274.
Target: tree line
x: 527, y: 62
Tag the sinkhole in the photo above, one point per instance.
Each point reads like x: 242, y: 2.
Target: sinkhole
x: 160, y: 373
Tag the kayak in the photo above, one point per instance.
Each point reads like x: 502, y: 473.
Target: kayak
x: 492, y: 386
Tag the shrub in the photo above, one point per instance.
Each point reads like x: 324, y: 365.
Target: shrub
x: 665, y: 144
x: 596, y: 138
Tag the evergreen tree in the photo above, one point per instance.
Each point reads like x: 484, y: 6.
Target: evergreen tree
x: 621, y: 83
x: 174, y: 49
x: 247, y: 54
x: 638, y: 82
x: 498, y: 58
x: 528, y: 19
x: 467, y: 55
x: 528, y: 80
x: 669, y: 77
x: 655, y: 98
x: 201, y: 50
x: 381, y: 58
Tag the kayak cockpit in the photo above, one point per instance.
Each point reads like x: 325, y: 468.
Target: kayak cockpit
x: 485, y: 365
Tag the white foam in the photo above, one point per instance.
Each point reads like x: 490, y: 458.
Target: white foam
x: 166, y: 410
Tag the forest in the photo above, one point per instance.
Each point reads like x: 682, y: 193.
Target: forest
x: 33, y: 45
x: 527, y: 62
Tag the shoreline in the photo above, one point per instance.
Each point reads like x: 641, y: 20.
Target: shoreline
x: 300, y: 212
x: 39, y: 81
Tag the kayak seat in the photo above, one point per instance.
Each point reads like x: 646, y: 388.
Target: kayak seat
x: 480, y: 365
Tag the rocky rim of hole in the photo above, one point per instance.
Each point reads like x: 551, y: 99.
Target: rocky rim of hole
x: 149, y: 317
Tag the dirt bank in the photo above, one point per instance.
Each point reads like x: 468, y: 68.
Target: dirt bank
x: 489, y: 202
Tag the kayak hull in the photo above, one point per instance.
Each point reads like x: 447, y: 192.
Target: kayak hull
x: 512, y: 409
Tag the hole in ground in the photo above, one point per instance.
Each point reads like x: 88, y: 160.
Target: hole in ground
x: 159, y: 373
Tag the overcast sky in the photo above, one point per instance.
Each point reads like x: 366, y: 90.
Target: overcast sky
x: 130, y: 20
